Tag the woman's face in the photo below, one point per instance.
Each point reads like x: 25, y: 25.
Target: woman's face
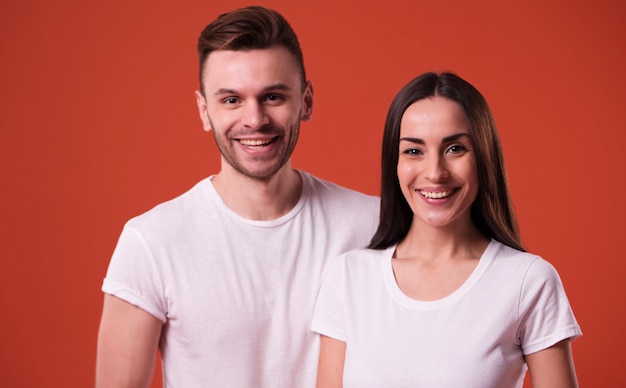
x: 437, y: 165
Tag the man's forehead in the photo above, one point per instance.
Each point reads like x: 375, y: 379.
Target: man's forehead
x: 258, y: 69
x: 274, y: 57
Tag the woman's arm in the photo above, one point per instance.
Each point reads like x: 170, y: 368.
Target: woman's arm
x: 330, y: 368
x: 553, y: 367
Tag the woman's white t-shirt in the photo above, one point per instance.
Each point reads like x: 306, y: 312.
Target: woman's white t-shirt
x: 511, y: 305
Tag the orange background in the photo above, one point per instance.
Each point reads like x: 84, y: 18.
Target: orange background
x: 98, y: 123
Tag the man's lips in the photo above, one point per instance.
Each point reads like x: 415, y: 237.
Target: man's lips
x: 255, y: 143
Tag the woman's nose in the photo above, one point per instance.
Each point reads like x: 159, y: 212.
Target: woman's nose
x: 436, y: 168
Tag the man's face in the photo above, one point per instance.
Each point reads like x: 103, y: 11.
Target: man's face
x: 253, y: 102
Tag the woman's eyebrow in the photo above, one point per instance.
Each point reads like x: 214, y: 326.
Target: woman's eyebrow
x: 446, y: 139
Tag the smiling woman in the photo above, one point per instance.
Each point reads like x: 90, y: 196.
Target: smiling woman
x: 445, y: 270
x: 467, y: 112
x: 437, y: 166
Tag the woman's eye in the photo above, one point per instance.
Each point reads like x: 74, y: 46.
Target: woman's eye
x: 412, y: 151
x: 457, y: 148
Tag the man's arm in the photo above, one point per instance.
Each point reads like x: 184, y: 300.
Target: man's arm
x: 128, y: 341
x: 553, y: 367
x: 330, y: 368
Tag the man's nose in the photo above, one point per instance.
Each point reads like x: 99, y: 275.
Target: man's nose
x: 254, y: 115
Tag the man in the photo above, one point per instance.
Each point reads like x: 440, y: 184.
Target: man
x: 223, y: 279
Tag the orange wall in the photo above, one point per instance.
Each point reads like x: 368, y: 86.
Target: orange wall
x: 98, y: 123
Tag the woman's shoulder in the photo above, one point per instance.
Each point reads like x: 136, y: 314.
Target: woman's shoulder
x: 526, y: 264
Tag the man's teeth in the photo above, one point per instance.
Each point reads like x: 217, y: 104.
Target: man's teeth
x: 255, y: 142
x: 436, y: 195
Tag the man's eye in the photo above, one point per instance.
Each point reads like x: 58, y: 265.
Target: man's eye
x: 274, y: 97
x: 230, y: 100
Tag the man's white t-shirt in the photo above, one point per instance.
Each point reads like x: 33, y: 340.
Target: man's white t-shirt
x: 236, y: 296
x: 512, y: 304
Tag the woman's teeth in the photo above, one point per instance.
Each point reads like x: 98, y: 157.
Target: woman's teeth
x: 435, y: 194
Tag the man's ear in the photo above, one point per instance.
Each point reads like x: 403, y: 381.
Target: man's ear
x: 202, y: 110
x: 307, y: 106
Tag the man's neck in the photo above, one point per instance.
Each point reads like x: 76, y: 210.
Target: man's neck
x: 256, y: 199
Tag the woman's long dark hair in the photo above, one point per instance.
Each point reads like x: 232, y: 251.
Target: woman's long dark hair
x: 492, y: 211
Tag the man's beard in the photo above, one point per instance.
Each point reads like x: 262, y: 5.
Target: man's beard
x: 284, y: 153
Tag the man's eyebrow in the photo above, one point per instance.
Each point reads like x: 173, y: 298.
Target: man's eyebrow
x: 446, y: 139
x: 276, y: 87
x: 222, y: 91
x: 269, y: 88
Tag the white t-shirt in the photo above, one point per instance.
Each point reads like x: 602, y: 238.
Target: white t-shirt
x: 236, y: 296
x: 511, y: 305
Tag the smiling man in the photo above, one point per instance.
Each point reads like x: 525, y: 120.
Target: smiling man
x: 223, y: 279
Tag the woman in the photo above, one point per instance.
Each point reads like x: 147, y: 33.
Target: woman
x: 445, y: 296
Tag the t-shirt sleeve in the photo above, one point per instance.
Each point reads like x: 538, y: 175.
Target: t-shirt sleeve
x: 546, y: 316
x: 133, y: 275
x: 329, y: 315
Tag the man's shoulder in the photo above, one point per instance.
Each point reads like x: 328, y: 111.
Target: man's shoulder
x: 177, y: 208
x: 345, y: 210
x: 333, y: 191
